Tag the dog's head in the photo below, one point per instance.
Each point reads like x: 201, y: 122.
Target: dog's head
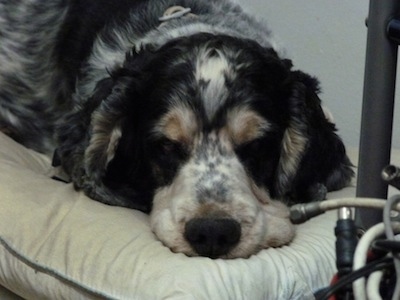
x: 207, y: 130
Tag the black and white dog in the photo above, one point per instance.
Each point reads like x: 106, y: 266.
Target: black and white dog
x: 181, y: 108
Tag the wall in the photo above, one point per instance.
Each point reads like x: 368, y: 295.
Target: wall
x: 326, y: 39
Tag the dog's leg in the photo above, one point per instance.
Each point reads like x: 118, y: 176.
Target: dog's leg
x: 28, y: 76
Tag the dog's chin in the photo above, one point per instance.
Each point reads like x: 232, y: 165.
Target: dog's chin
x: 268, y: 227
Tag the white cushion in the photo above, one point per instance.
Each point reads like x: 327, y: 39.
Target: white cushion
x: 55, y: 243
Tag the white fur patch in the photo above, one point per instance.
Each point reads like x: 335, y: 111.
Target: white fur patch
x: 103, y: 59
x: 211, y: 69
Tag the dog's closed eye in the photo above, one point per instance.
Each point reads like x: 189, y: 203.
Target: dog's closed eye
x: 248, y: 151
x: 166, y: 158
x: 172, y: 148
x: 250, y: 146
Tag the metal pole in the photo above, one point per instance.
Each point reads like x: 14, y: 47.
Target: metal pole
x: 377, y: 108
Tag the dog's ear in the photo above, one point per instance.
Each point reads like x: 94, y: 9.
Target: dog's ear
x: 107, y: 114
x: 111, y: 154
x: 117, y: 99
x: 313, y: 158
x: 294, y: 141
x: 74, y: 133
x: 305, y: 117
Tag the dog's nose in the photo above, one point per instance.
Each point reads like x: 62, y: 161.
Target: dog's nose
x: 212, y: 237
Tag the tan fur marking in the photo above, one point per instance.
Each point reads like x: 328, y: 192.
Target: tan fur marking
x: 104, y: 140
x: 293, y: 146
x: 261, y: 194
x: 115, y: 136
x: 245, y: 125
x: 179, y: 124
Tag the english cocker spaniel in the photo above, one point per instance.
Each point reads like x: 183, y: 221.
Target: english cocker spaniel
x: 184, y: 109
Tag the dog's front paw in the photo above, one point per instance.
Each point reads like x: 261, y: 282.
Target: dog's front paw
x: 79, y: 178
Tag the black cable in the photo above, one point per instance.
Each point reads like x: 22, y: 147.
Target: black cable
x: 366, y: 270
x: 346, y: 243
x: 387, y: 245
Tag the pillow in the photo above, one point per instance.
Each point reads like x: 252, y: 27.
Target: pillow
x: 55, y: 243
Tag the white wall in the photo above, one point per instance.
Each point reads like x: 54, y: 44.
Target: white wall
x: 326, y: 39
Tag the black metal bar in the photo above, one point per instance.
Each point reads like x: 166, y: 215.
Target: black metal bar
x: 393, y: 30
x: 377, y: 109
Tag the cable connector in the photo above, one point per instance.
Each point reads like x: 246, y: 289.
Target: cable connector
x: 391, y: 174
x: 346, y: 241
x: 299, y: 213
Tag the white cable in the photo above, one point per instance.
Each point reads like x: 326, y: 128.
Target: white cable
x: 392, y: 201
x: 360, y: 258
x: 387, y: 216
x: 373, y: 283
x: 302, y: 212
x: 354, y: 202
x: 360, y: 255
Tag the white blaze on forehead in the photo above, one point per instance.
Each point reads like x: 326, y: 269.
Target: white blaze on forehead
x: 212, y: 68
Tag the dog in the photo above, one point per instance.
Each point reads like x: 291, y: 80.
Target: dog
x: 184, y: 109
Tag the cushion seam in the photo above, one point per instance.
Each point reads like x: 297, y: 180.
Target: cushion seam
x: 51, y: 272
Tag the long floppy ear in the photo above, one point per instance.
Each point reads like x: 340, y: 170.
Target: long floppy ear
x: 294, y: 142
x: 105, y: 127
x: 89, y: 136
x: 313, y: 158
x: 73, y: 132
x: 104, y: 179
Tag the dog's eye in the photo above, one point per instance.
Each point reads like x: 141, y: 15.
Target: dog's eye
x: 169, y: 147
x: 250, y: 152
x: 166, y: 156
x: 249, y: 147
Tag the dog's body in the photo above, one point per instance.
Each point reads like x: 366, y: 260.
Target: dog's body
x: 194, y: 117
